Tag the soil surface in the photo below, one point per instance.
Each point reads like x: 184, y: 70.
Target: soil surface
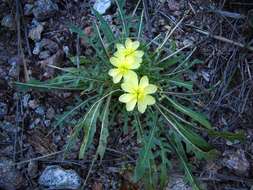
x: 31, y: 39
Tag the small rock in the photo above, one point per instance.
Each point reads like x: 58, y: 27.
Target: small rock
x: 10, y: 178
x: 8, y: 21
x: 237, y: 162
x: 66, y: 50
x: 35, y: 123
x: 40, y: 110
x: 50, y: 113
x: 187, y: 42
x: 37, y: 48
x: 173, y: 5
x: 14, y: 70
x: 102, y: 5
x: 47, y: 123
x: 50, y: 45
x: 44, y: 54
x: 32, y: 104
x: 55, y: 177
x: 28, y: 9
x: 177, y: 183
x: 44, y: 9
x: 9, y: 128
x: 35, y: 31
x: 25, y: 100
x: 3, y: 109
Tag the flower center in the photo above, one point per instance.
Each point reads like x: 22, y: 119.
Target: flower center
x: 123, y: 69
x: 139, y: 93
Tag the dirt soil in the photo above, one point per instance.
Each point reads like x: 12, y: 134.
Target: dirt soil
x: 223, y: 34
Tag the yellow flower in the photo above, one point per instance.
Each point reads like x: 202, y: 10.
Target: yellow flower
x: 125, y: 59
x: 124, y: 67
x: 137, y: 93
x: 129, y: 50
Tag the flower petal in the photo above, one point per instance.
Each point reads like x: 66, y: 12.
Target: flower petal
x: 150, y: 89
x: 130, y: 105
x: 126, y: 98
x: 120, y: 47
x: 149, y: 100
x: 142, y: 106
x: 139, y: 54
x: 113, y: 72
x: 144, y: 82
x: 135, y: 65
x: 115, y: 61
x: 117, y: 78
x: 128, y: 43
x: 131, y: 80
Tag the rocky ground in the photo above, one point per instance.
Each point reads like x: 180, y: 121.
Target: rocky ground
x: 35, y: 33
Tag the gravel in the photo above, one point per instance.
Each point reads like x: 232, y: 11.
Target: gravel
x: 44, y: 9
x: 10, y: 178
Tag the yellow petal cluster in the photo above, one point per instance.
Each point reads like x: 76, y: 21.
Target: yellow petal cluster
x: 125, y: 59
x: 137, y: 92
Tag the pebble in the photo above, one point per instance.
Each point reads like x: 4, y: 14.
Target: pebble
x: 177, y: 183
x: 32, y: 104
x: 25, y: 100
x: 28, y: 9
x: 237, y: 162
x: 3, y: 109
x: 9, y: 128
x: 35, y: 123
x: 8, y: 21
x: 44, y: 54
x: 55, y: 177
x: 50, y: 45
x: 47, y: 123
x: 35, y: 31
x: 50, y: 113
x: 102, y: 5
x: 37, y: 48
x: 66, y: 50
x: 40, y: 110
x: 14, y: 70
x: 173, y: 5
x: 44, y: 9
x: 10, y: 178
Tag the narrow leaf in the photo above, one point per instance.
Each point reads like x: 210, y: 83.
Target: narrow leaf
x: 89, y: 125
x: 104, y: 133
x: 201, y: 118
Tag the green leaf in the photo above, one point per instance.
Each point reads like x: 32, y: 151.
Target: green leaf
x: 83, y: 60
x: 120, y: 4
x: 89, y: 126
x: 181, y: 83
x: 145, y: 155
x: 47, y: 86
x: 104, y: 26
x: 194, y: 142
x: 201, y: 118
x: 104, y: 133
x: 227, y: 135
x: 179, y: 150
